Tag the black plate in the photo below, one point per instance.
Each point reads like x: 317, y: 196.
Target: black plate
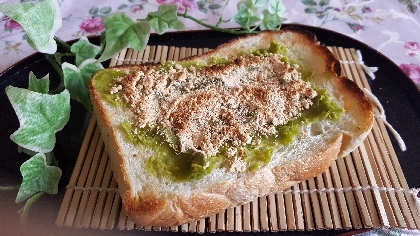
x: 397, y: 93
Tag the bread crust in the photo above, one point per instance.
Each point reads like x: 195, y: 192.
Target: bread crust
x: 151, y: 208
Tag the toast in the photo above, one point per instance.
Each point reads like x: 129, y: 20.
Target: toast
x: 136, y: 131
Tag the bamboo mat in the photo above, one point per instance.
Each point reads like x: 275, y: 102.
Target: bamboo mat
x: 366, y: 189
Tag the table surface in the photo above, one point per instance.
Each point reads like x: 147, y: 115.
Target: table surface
x: 391, y: 27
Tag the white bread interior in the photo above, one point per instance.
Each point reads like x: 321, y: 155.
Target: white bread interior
x: 151, y: 201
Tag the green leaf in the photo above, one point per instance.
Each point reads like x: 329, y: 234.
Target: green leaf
x: 77, y: 80
x: 122, y: 7
x: 324, y: 3
x: 252, y: 5
x: 40, y: 117
x: 93, y: 10
x: 26, y: 151
x: 201, y: 3
x: 309, y: 2
x: 122, y: 32
x: 320, y: 15
x: 39, y: 20
x: 84, y: 50
x: 311, y: 10
x: 38, y: 176
x: 39, y: 85
x: 270, y: 21
x: 57, y: 57
x: 247, y: 14
x: 204, y: 10
x: 164, y: 19
x: 277, y: 8
x: 412, y: 8
x: 214, y: 6
x: 259, y: 3
x: 105, y: 10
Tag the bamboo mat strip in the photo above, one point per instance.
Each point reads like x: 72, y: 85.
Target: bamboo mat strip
x: 212, y: 224
x: 89, y: 182
x: 392, y: 162
x: 386, y: 169
x: 341, y: 197
x: 332, y: 201
x: 78, y: 166
x: 300, y: 224
x: 74, y: 205
x: 307, y: 209
x: 326, y: 212
x: 290, y: 214
x: 230, y: 221
x: 390, y: 170
x: 246, y: 217
x: 272, y: 213
x: 281, y: 215
x: 371, y: 197
x: 363, y: 190
x: 316, y: 205
x: 238, y: 219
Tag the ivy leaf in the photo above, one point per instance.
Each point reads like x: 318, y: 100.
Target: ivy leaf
x: 38, y: 176
x: 40, y: 117
x: 39, y: 85
x: 277, y: 8
x: 259, y: 4
x: 270, y: 21
x: 77, y: 80
x: 84, y: 50
x: 122, y: 32
x: 247, y: 14
x: 26, y: 151
x: 165, y: 18
x: 39, y: 20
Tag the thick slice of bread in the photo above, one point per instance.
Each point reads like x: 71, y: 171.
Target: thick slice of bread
x: 153, y: 201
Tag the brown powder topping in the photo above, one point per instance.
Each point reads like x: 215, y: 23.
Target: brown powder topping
x: 208, y: 107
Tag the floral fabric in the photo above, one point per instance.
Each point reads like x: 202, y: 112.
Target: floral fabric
x: 392, y: 27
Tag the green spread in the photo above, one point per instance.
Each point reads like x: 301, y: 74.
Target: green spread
x: 180, y: 167
x: 103, y: 82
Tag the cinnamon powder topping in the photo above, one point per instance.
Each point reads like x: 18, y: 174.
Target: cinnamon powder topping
x: 208, y: 107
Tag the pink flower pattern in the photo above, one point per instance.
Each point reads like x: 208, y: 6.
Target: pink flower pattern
x: 413, y: 48
x: 10, y: 24
x: 92, y: 25
x: 136, y: 8
x: 183, y: 4
x: 413, y: 71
